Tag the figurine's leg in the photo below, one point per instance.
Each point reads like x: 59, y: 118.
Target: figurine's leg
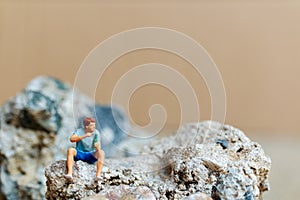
x: 100, y: 156
x: 70, y: 160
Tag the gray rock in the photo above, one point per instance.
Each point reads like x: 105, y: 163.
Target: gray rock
x: 35, y: 128
x: 198, y: 196
x: 124, y: 192
x: 185, y: 165
x: 115, y: 173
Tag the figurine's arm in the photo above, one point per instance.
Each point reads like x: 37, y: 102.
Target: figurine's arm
x: 97, y: 146
x: 76, y: 138
x: 96, y: 141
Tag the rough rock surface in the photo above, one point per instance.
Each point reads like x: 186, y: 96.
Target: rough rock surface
x: 124, y: 192
x: 211, y: 158
x: 34, y: 129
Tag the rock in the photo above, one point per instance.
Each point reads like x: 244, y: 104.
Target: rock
x: 115, y: 173
x: 223, y: 143
x: 198, y: 196
x: 124, y: 192
x: 35, y: 128
x: 189, y: 165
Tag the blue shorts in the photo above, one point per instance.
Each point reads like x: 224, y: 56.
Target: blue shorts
x: 85, y: 156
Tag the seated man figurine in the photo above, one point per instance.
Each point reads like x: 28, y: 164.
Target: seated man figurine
x: 87, y: 147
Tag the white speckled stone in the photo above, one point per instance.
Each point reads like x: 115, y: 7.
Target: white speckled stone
x: 188, y: 165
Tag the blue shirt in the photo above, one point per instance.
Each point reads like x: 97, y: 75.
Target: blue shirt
x: 87, y: 144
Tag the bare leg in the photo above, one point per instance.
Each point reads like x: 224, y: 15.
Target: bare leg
x: 70, y: 160
x: 100, y: 156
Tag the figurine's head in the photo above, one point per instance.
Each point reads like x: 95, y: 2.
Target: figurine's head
x: 89, y: 124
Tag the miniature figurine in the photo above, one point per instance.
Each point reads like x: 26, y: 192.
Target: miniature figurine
x: 88, y: 148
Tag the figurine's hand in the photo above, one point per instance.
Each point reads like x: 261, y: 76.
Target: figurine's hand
x: 89, y: 134
x: 75, y: 138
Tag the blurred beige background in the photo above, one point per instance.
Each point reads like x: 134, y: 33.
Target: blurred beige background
x: 255, y: 44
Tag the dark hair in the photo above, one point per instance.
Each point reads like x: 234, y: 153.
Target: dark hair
x: 88, y: 120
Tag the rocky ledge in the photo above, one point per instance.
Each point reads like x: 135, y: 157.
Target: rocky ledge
x: 205, y: 160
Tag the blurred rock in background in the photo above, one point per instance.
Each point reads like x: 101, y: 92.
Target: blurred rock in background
x: 35, y: 128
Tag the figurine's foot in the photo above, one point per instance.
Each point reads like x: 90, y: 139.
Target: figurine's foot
x: 98, y: 178
x: 69, y: 177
